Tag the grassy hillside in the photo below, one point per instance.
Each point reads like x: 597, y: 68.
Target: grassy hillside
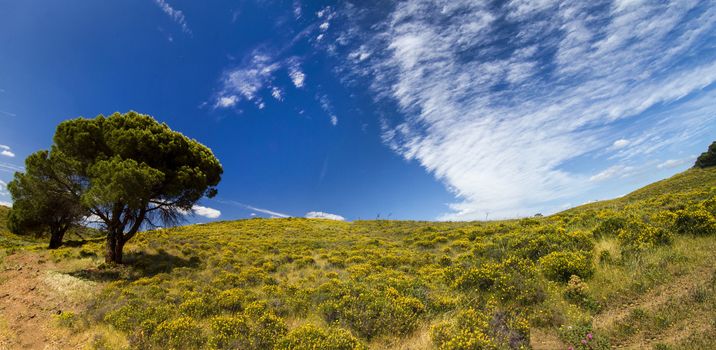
x: 638, y: 271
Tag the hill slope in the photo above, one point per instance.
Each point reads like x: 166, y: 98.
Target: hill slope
x: 638, y: 271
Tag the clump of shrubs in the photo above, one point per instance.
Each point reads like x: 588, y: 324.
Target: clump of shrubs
x: 695, y: 221
x: 637, y: 236
x: 610, y: 226
x: 246, y: 332
x: 473, y: 329
x: 179, y: 333
x: 369, y: 311
x: 560, y: 266
x: 310, y: 337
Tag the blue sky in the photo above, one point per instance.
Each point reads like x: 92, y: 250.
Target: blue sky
x: 447, y: 110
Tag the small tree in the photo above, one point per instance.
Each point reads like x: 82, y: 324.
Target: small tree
x: 130, y: 170
x: 42, y: 202
x: 707, y: 158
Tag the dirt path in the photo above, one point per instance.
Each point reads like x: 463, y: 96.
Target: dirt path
x: 653, y: 298
x: 541, y: 339
x: 31, y: 292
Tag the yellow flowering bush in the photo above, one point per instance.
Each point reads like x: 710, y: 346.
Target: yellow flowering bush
x: 179, y: 333
x: 310, y: 337
x: 560, y: 266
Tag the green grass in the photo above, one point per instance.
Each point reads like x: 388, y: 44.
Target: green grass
x: 300, y: 283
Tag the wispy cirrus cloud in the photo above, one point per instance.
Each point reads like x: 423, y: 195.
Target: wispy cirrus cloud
x: 495, y: 98
x: 673, y: 163
x: 271, y: 213
x: 254, y: 78
x: 11, y: 168
x: 176, y: 15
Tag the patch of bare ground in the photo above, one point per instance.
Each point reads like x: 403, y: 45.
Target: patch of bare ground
x: 31, y: 293
x: 542, y: 339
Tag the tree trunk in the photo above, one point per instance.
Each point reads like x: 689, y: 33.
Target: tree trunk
x: 115, y: 245
x: 56, y: 239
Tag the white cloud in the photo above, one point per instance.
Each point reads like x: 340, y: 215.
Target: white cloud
x: 227, y: 101
x: 277, y: 93
x: 253, y: 78
x: 6, y: 203
x: 174, y: 14
x: 621, y: 143
x: 327, y: 107
x: 247, y: 80
x: 297, y: 9
x: 207, y: 212
x: 673, y: 163
x: 496, y: 121
x: 297, y: 76
x: 6, y: 151
x: 612, y: 172
x: 322, y: 215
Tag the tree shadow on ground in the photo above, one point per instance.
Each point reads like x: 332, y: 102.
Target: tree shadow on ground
x: 137, y: 265
x: 78, y: 243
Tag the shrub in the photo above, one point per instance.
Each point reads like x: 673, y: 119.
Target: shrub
x: 310, y: 337
x: 560, y: 266
x: 266, y: 331
x: 467, y: 331
x: 179, y: 333
x: 231, y: 300
x: 197, y: 307
x: 371, y: 312
x: 609, y: 226
x: 305, y: 261
x: 637, y: 236
x: 577, y: 291
x: 134, y: 314
x: 695, y: 221
x: 471, y: 329
x: 229, y: 332
x: 66, y: 319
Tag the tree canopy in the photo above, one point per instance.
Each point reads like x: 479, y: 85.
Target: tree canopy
x: 128, y: 171
x: 707, y: 158
x: 42, y: 202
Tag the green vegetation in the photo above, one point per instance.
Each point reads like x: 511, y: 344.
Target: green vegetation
x: 128, y: 170
x: 707, y: 158
x: 637, y: 271
x: 42, y: 204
